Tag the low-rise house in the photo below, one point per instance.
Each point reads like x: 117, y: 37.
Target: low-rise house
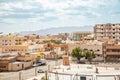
x: 15, y: 66
x: 26, y: 61
x: 5, y: 60
x: 14, y: 63
x: 55, y: 50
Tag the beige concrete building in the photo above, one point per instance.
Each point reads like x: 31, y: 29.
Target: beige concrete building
x: 55, y: 50
x: 0, y: 50
x: 14, y: 63
x: 15, y: 48
x: 11, y: 40
x: 4, y: 62
x: 95, y: 46
x: 111, y: 31
x: 32, y: 37
x: 15, y: 66
x: 35, y: 48
x: 26, y: 48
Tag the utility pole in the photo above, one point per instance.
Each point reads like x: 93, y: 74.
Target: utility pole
x: 46, y: 74
x: 56, y: 56
x: 35, y: 71
x: 20, y: 77
x: 48, y: 67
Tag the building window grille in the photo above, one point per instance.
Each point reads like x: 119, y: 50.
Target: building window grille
x: 98, y: 50
x: 113, y: 37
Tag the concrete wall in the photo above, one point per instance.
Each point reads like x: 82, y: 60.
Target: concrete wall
x: 27, y: 64
x: 52, y: 56
x: 15, y: 66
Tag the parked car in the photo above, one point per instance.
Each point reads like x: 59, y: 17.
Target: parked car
x: 39, y: 64
x: 41, y: 71
x: 42, y: 61
x: 81, y: 62
x: 35, y: 65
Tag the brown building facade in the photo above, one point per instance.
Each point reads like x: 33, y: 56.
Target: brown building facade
x: 113, y: 53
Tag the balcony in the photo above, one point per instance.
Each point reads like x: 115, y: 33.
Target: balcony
x: 113, y: 53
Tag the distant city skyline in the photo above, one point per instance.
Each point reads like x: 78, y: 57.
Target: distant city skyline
x: 31, y: 15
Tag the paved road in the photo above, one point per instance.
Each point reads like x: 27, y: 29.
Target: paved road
x: 25, y: 74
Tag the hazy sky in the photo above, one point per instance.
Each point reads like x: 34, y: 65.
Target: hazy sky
x: 25, y: 15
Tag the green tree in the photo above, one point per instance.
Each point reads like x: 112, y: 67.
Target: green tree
x: 27, y: 53
x: 43, y: 78
x: 89, y: 55
x: 53, y: 41
x: 77, y: 53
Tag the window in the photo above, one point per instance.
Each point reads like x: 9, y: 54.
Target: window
x: 113, y: 37
x: 98, y: 50
x: 91, y: 50
x: 85, y: 49
x: 98, y: 55
x: 5, y: 40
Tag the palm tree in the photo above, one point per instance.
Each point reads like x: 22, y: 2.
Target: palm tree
x: 77, y: 53
x: 89, y: 55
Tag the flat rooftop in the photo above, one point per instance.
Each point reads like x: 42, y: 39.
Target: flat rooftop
x: 80, y: 71
x: 87, y: 71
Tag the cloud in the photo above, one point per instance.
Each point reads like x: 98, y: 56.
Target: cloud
x: 8, y: 21
x: 57, y: 12
x: 49, y: 19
